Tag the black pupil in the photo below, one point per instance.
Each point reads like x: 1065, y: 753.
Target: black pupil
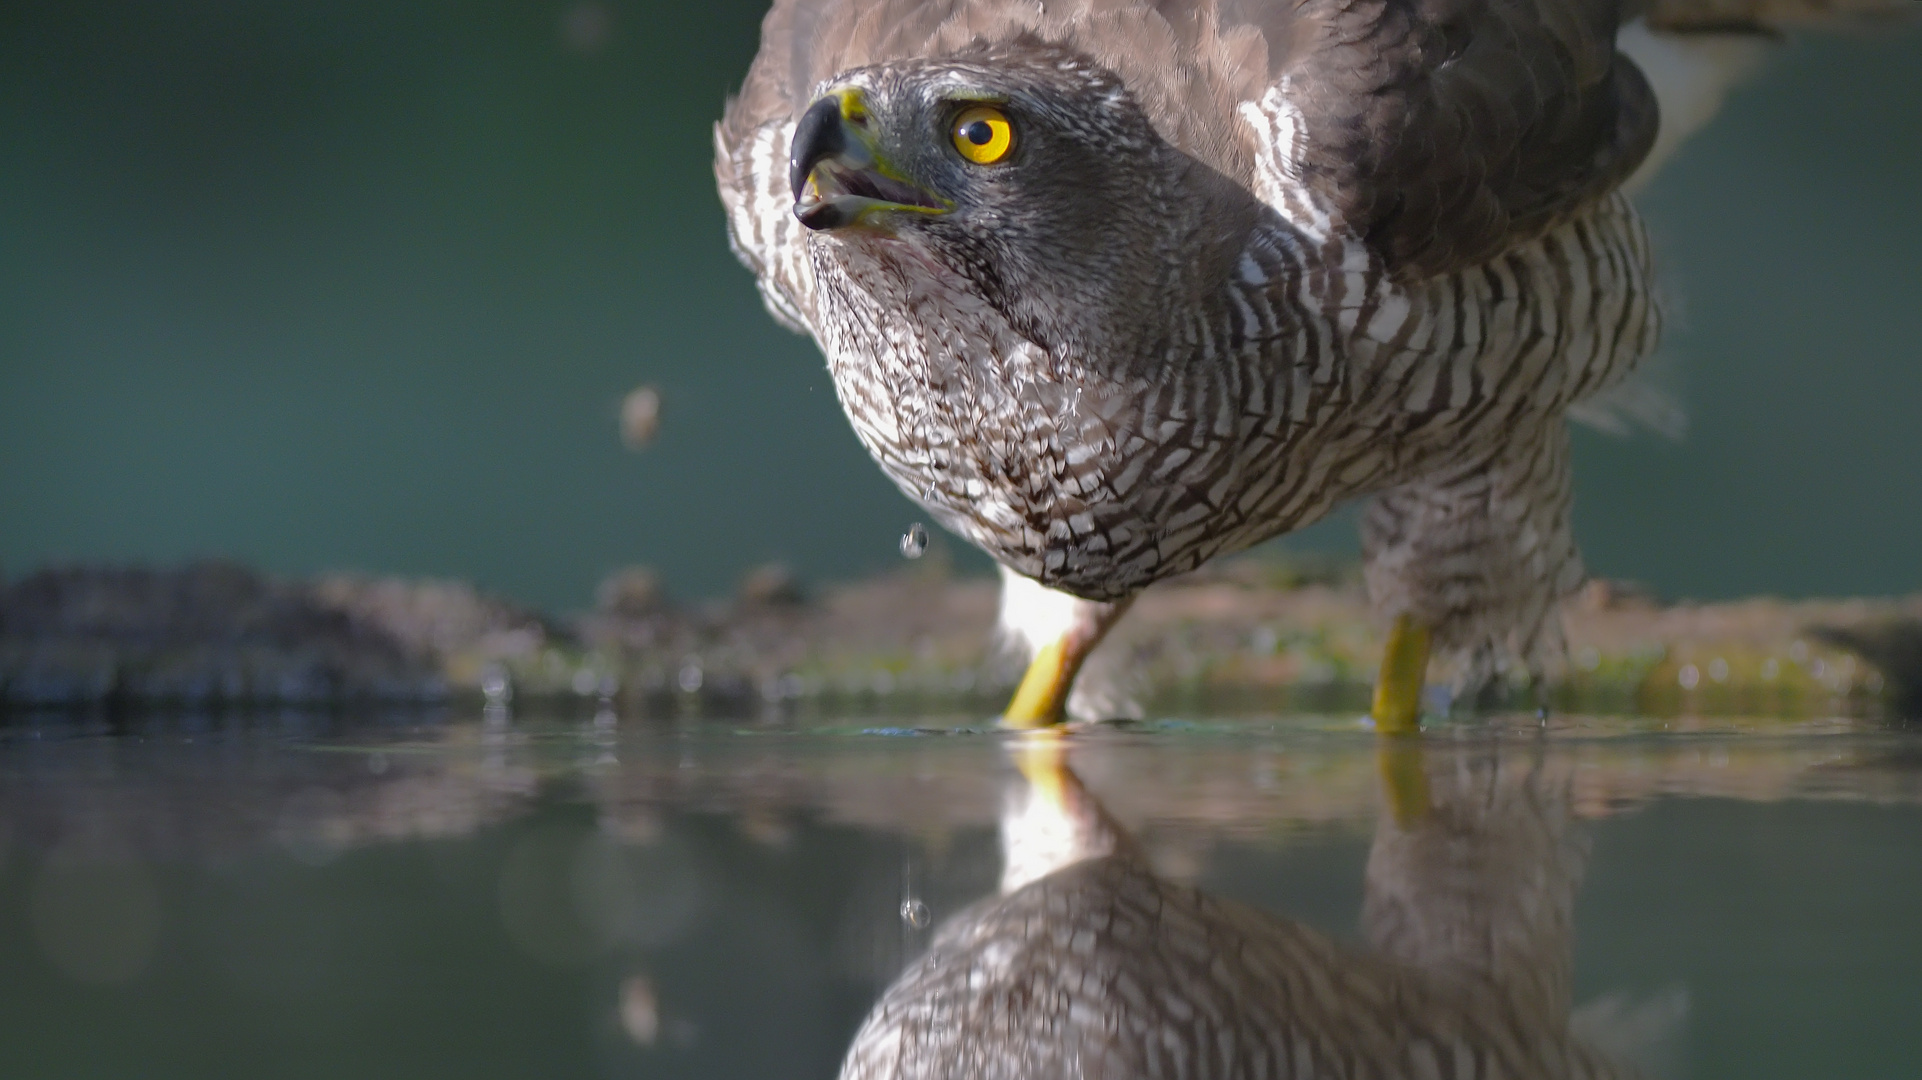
x: 980, y: 133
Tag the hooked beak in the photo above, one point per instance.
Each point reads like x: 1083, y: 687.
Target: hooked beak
x: 837, y: 174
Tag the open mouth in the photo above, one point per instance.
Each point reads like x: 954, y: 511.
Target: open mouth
x: 837, y: 195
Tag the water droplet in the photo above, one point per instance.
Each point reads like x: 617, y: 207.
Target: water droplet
x: 640, y: 417
x: 586, y: 27
x: 1690, y: 676
x: 914, y: 542
x: 495, y: 685
x: 690, y: 677
x: 914, y: 913
x: 1718, y: 669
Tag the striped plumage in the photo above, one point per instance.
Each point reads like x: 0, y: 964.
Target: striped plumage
x: 1260, y: 258
x: 1091, y: 965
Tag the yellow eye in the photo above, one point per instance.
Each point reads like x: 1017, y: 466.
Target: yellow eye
x: 983, y: 135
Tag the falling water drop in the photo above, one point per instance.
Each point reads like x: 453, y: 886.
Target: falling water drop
x: 914, y: 542
x: 914, y: 913
x: 640, y: 414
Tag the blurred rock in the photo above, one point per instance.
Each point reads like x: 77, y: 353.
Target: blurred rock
x: 203, y: 634
x: 434, y: 619
x: 771, y: 585
x: 633, y: 593
x: 1612, y: 594
x: 1894, y: 646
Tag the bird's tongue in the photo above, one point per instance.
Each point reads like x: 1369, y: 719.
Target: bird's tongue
x: 836, y: 195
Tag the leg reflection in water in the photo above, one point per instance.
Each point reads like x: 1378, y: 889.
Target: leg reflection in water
x: 1087, y: 965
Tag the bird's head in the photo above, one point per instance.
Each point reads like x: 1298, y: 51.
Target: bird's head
x: 1027, y: 173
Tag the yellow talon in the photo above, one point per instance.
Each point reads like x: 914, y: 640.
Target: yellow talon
x: 1042, y: 698
x: 1404, y: 667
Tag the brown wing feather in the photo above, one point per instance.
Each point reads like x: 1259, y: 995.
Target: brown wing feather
x: 1446, y: 131
x: 1441, y: 131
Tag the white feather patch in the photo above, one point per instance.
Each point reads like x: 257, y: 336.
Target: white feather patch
x: 1033, y: 615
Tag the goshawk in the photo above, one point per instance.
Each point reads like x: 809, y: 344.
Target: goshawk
x: 1112, y: 287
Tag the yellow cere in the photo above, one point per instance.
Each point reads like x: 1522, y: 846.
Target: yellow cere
x: 983, y: 134
x: 854, y: 105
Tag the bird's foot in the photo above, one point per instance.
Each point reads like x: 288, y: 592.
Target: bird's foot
x: 1041, y: 700
x: 1404, y: 668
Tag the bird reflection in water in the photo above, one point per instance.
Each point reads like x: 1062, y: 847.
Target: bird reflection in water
x: 1087, y: 964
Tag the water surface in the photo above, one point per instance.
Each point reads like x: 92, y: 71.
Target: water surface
x: 492, y: 896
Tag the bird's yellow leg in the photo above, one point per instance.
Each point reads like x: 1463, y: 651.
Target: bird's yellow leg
x: 1042, y: 698
x: 1404, y: 667
x: 1397, y: 714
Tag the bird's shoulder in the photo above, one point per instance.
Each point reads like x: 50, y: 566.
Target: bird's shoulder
x: 1444, y: 132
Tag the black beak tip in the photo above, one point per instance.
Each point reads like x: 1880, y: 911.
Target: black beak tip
x: 818, y: 135
x: 821, y: 216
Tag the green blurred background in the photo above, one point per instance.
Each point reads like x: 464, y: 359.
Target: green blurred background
x: 362, y: 285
